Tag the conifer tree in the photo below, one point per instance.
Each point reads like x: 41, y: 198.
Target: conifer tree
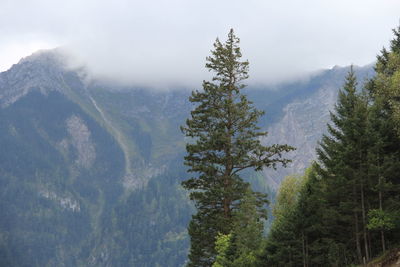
x: 342, y: 155
x: 225, y: 140
x: 242, y: 246
x: 385, y: 86
x: 283, y: 242
x: 293, y: 238
x: 384, y: 149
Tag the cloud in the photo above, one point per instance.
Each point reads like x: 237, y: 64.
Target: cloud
x: 164, y: 43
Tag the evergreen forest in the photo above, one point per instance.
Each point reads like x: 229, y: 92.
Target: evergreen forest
x: 343, y: 211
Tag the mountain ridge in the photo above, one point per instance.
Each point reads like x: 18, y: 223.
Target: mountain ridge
x: 100, y: 168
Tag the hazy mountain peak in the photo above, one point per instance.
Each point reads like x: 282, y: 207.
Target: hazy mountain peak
x: 53, y: 58
x: 42, y: 71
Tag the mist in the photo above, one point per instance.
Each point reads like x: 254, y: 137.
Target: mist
x: 164, y: 44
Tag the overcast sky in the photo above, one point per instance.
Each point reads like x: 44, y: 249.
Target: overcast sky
x: 165, y: 42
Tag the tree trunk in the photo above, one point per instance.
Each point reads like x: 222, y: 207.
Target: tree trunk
x: 304, y: 249
x: 381, y: 208
x: 307, y: 252
x: 356, y: 229
x: 364, y: 221
x: 228, y: 164
x: 361, y: 175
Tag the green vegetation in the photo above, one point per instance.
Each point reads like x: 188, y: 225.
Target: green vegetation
x: 225, y: 141
x: 243, y: 244
x: 346, y: 208
x: 41, y: 181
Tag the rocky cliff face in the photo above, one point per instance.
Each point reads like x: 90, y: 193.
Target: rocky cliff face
x: 304, y: 120
x: 43, y: 71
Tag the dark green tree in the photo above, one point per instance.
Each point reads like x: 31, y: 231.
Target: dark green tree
x: 382, y: 162
x: 293, y: 238
x: 225, y: 140
x: 282, y: 246
x: 242, y: 246
x: 343, y: 156
x: 384, y: 149
x: 313, y: 218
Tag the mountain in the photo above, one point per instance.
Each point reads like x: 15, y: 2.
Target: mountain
x: 88, y: 176
x: 90, y: 171
x: 301, y: 117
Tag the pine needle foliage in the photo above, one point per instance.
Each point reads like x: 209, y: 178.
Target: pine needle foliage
x: 224, y: 140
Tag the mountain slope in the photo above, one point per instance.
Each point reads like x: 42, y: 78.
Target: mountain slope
x: 302, y: 120
x: 90, y: 171
x: 64, y: 166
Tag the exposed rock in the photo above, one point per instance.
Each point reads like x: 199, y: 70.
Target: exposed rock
x: 304, y: 122
x: 302, y: 126
x: 41, y: 71
x: 64, y: 202
x: 81, y: 141
x: 133, y: 181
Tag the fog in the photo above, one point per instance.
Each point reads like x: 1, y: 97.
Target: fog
x: 163, y: 44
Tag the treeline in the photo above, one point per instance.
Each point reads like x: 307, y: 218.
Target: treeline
x: 346, y: 208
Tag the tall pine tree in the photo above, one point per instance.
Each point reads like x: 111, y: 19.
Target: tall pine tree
x: 342, y: 155
x: 225, y: 140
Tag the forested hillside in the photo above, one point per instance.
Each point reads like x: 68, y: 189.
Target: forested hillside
x: 89, y: 176
x: 345, y: 209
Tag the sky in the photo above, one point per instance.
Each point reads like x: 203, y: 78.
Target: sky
x: 164, y: 43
